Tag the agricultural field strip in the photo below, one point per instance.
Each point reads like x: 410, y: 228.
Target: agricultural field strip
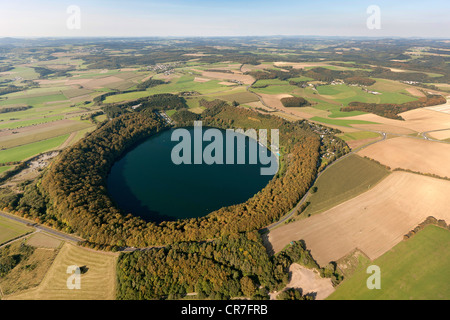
x: 282, y: 221
x: 58, y: 234
x: 373, y: 222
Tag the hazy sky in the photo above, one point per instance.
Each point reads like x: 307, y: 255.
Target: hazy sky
x: 405, y: 18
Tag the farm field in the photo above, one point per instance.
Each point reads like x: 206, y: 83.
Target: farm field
x: 417, y: 120
x: 29, y: 150
x: 346, y: 94
x: 340, y: 122
x: 98, y: 283
x: 413, y: 154
x: 43, y: 240
x: 10, y: 230
x: 358, y: 209
x: 414, y: 269
x: 4, y: 168
x: 360, y: 139
x: 29, y: 272
x: 373, y: 222
x: 343, y: 181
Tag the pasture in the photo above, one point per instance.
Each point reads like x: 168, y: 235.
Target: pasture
x: 26, y: 151
x: 346, y: 94
x: 415, y: 269
x: 10, y: 229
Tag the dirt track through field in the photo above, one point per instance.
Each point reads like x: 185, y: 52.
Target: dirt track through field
x: 373, y: 222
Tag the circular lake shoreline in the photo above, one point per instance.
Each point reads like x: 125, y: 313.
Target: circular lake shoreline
x: 146, y: 183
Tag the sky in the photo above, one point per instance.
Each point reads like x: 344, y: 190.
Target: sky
x: 139, y: 18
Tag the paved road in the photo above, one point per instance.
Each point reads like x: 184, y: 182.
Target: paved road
x: 39, y: 227
x: 426, y: 137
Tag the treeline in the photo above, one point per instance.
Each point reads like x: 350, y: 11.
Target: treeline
x: 392, y: 111
x: 185, y: 115
x: 14, y: 109
x: 276, y: 74
x: 72, y: 194
x: 163, y: 101
x: 149, y: 84
x: 428, y: 221
x: 236, y: 265
x: 45, y: 72
x: 10, y: 89
x: 360, y: 81
x: 6, y: 68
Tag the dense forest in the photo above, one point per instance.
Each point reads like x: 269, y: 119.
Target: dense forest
x: 236, y: 265
x: 72, y: 194
x: 294, y: 102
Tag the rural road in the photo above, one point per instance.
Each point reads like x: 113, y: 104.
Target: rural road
x: 39, y: 227
x: 426, y: 137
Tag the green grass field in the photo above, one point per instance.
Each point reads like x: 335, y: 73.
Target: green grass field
x: 343, y: 181
x: 34, y: 101
x: 270, y: 82
x: 333, y: 109
x: 346, y: 94
x: 414, y: 269
x: 241, y: 97
x: 358, y: 135
x: 278, y: 89
x: 29, y: 150
x: 340, y: 122
x: 4, y: 168
x: 26, y: 123
x: 10, y: 229
x: 187, y: 83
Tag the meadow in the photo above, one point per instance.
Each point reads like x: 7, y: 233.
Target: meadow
x: 414, y: 269
x: 10, y: 230
x: 29, y: 150
x: 346, y: 94
x: 340, y: 122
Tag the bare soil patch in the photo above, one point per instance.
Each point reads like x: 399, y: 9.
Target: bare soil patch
x: 309, y: 281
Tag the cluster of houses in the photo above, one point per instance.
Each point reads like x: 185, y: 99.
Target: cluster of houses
x: 166, y: 68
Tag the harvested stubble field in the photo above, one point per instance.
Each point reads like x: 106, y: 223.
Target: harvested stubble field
x: 98, y: 283
x: 417, y: 120
x: 374, y: 221
x: 29, y: 272
x: 414, y: 154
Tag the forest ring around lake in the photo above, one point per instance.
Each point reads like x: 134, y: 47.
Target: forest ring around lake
x: 72, y: 194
